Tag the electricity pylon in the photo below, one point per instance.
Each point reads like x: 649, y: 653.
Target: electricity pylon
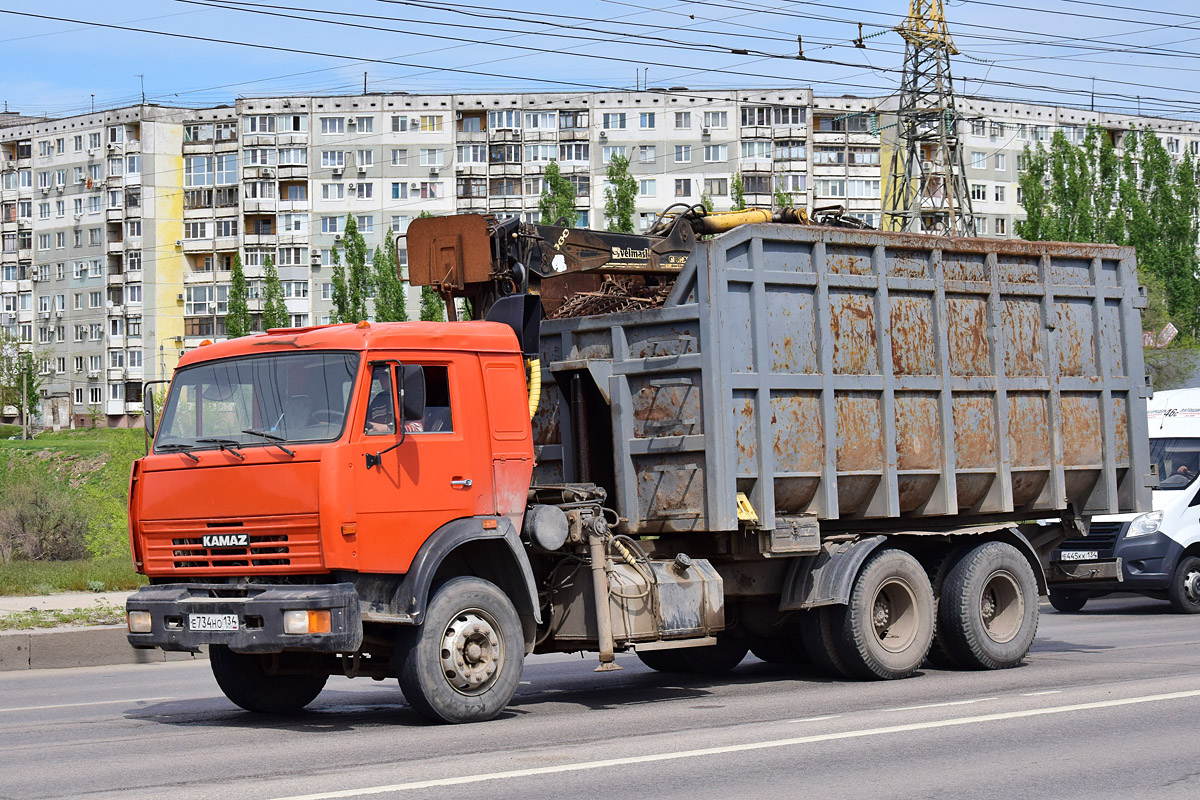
x: 926, y: 188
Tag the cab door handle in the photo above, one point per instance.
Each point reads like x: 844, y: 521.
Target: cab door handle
x: 463, y: 482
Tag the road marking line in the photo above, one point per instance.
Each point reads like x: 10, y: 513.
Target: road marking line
x: 1039, y: 694
x: 94, y: 703
x: 806, y: 719
x: 947, y: 703
x: 737, y: 748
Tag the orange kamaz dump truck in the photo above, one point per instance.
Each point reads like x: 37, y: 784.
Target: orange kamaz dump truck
x: 815, y: 443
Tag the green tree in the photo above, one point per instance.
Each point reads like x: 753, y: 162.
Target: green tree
x: 782, y: 199
x: 1142, y: 199
x: 358, y: 274
x: 340, y: 294
x: 433, y: 308
x: 620, y: 194
x: 237, y: 317
x: 707, y: 201
x: 558, y: 197
x: 275, y: 313
x: 389, y: 288
x: 737, y: 192
x: 20, y: 379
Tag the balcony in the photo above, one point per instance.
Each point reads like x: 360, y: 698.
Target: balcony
x: 252, y: 205
x: 467, y: 137
x: 197, y: 245
x: 114, y: 246
x: 294, y: 138
x: 222, y: 243
x: 260, y: 239
x: 504, y: 135
x: 790, y: 131
x: 114, y: 214
x: 293, y: 205
x: 505, y: 170
x: 133, y: 408
x: 471, y: 169
x: 293, y: 171
x: 511, y: 203
x: 756, y: 132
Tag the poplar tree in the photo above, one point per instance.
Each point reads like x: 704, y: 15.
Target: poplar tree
x: 620, y: 196
x: 237, y: 318
x: 358, y: 274
x: 275, y: 313
x: 737, y: 192
x: 558, y: 197
x: 339, y: 294
x: 389, y: 288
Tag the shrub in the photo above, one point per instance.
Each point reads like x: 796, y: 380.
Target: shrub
x: 40, y: 519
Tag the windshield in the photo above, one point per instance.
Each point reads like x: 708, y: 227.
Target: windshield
x: 1178, y: 461
x: 292, y: 397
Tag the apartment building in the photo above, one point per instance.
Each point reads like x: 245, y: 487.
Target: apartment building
x: 119, y: 228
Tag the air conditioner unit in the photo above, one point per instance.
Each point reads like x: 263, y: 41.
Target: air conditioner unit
x: 91, y: 151
x: 35, y: 277
x: 45, y: 315
x: 362, y: 169
x: 79, y: 216
x: 179, y: 297
x: 93, y: 373
x: 58, y: 313
x: 59, y: 188
x: 351, y: 186
x: 352, y: 122
x: 414, y: 185
x: 433, y: 173
x: 603, y: 134
x: 179, y: 242
x: 337, y: 237
x: 315, y: 259
x: 45, y: 190
x: 266, y: 173
x: 112, y: 146
x: 337, y: 172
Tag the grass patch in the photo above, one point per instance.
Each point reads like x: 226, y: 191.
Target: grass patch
x: 87, y: 575
x: 99, y: 614
x: 81, y: 442
x: 9, y: 430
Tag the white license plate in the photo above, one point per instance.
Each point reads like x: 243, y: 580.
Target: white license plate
x: 212, y: 622
x: 1078, y: 555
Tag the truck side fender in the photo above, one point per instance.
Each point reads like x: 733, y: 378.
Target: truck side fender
x: 826, y: 578
x: 1018, y: 540
x: 516, y: 575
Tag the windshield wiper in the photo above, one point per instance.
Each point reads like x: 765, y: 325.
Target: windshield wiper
x: 178, y: 447
x: 228, y: 445
x: 271, y: 438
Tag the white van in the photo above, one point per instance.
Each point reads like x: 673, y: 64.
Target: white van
x: 1159, y: 550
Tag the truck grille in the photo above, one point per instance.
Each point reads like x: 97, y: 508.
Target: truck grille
x: 276, y: 544
x: 1102, y: 537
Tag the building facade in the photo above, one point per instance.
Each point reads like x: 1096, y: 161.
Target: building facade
x: 119, y: 228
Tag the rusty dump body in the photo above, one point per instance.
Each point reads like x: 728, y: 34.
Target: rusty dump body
x: 859, y: 377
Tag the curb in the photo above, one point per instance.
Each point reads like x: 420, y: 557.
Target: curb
x: 62, y: 648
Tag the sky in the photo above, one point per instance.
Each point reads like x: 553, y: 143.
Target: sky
x: 56, y: 59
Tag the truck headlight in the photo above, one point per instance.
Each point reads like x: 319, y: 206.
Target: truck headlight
x: 301, y: 622
x: 138, y: 621
x: 1144, y: 524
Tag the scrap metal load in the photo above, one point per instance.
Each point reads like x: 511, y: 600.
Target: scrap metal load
x: 574, y: 270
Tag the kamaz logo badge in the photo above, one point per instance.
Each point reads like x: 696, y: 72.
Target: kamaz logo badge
x: 630, y: 254
x: 226, y: 540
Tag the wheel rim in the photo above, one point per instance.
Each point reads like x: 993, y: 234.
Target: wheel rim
x: 894, y: 615
x: 1001, y: 607
x: 1191, y: 587
x: 472, y: 652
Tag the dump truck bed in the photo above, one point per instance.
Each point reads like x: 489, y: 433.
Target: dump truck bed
x: 858, y: 375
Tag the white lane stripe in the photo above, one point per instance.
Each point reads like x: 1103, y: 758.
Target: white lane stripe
x: 947, y: 703
x: 1039, y: 694
x: 736, y: 748
x: 94, y: 703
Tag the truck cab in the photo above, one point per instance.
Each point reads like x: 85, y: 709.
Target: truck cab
x: 1160, y: 549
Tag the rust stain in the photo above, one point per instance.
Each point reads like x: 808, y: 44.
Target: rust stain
x: 799, y: 441
x: 1121, y: 424
x: 852, y: 321
x: 1019, y: 268
x: 1026, y: 486
x: 964, y: 267
x: 1082, y: 433
x: 915, y: 490
x: 912, y: 335
x: 1075, y: 338
x: 1028, y: 429
x: 859, y: 432
x: 970, y: 349
x: 666, y: 409
x: 907, y: 263
x: 1023, y: 331
x: 974, y: 431
x: 918, y: 433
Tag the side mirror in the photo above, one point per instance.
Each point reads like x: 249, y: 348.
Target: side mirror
x: 148, y: 409
x: 412, y: 392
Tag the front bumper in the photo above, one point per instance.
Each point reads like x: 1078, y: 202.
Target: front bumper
x: 259, y: 609
x: 1070, y: 574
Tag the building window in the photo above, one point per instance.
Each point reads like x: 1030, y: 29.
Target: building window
x: 1001, y: 161
x: 607, y: 153
x: 716, y: 119
x: 978, y: 160
x: 431, y: 157
x: 999, y: 197
x: 647, y: 187
x: 683, y: 119
x: 978, y: 191
x: 614, y: 121
x: 716, y: 152
x: 790, y: 115
x: 683, y: 154
x: 756, y: 116
x: 365, y: 124
x: 683, y: 187
x: 1001, y: 226
x: 333, y: 125
x: 716, y: 187
x: 647, y: 119
x: 431, y: 123
x: 646, y: 154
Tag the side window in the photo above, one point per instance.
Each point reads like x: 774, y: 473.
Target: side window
x: 381, y: 412
x: 437, y: 417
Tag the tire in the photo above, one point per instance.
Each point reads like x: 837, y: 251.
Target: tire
x: 1184, y: 591
x: 244, y: 678
x: 464, y: 663
x: 816, y: 629
x: 664, y: 660
x: 988, y: 613
x: 885, y: 631
x: 784, y: 647
x: 715, y: 659
x: 1067, y: 602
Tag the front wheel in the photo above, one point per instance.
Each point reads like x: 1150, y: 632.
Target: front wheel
x: 884, y: 632
x: 464, y: 663
x: 264, y: 683
x: 1184, y: 591
x: 988, y: 614
x: 1067, y: 602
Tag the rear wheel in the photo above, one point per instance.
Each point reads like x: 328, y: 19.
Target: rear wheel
x: 715, y: 659
x: 1184, y: 591
x: 464, y: 663
x: 783, y: 647
x: 1066, y: 601
x: 664, y: 660
x: 884, y: 632
x: 988, y: 614
x: 264, y: 683
x: 816, y: 627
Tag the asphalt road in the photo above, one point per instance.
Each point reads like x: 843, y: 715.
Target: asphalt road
x: 1106, y: 706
